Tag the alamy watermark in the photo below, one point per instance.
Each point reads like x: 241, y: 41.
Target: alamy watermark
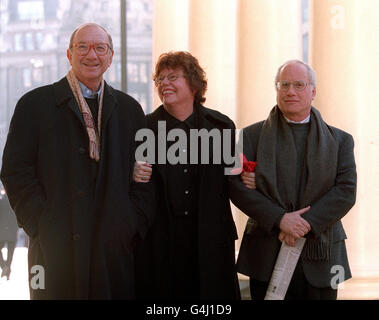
x: 37, y: 281
x: 338, y: 17
x: 339, y: 278
x: 216, y: 146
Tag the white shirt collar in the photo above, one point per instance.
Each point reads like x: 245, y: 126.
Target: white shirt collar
x: 306, y: 120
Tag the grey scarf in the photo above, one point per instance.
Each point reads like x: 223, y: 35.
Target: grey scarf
x: 276, y: 157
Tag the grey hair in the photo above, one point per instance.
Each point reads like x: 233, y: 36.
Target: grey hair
x: 90, y: 24
x: 311, y: 72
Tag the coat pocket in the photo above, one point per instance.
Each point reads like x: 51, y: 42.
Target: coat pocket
x: 338, y: 232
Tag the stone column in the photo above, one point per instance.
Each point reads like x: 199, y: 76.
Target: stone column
x: 344, y: 52
x: 212, y: 39
x: 170, y: 30
x: 269, y: 33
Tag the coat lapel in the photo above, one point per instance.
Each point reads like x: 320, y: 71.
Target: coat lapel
x: 209, y: 119
x: 152, y: 120
x: 109, y: 104
x: 64, y: 96
x: 204, y: 123
x: 73, y: 105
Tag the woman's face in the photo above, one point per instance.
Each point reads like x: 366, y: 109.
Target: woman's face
x: 173, y: 88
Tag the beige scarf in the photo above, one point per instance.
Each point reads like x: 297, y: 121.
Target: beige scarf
x: 94, y: 137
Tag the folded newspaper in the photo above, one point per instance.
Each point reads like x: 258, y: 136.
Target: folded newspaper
x: 283, y: 270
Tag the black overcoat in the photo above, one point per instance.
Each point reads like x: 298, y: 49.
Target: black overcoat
x: 216, y: 228
x: 82, y: 229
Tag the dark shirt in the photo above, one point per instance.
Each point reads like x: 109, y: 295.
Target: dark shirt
x: 182, y: 182
x: 300, y: 134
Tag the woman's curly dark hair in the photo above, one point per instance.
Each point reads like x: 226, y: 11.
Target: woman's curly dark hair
x: 194, y: 74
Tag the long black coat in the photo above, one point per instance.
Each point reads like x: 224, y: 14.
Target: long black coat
x: 82, y: 230
x: 216, y: 229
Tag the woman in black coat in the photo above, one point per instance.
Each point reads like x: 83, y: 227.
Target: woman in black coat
x: 189, y: 252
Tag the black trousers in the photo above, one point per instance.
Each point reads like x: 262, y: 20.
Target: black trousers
x: 299, y: 289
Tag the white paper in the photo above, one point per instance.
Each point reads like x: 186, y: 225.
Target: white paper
x: 283, y: 270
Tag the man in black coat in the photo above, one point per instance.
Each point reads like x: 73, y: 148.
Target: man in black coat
x: 67, y: 169
x: 305, y: 184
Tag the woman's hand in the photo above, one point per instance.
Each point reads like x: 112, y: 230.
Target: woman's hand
x: 142, y: 172
x: 248, y: 178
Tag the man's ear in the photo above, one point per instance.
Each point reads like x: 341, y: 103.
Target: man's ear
x: 110, y: 59
x: 69, y: 56
x: 313, y: 92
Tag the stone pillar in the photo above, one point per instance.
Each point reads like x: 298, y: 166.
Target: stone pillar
x: 344, y: 52
x: 170, y: 30
x: 269, y: 33
x: 212, y: 39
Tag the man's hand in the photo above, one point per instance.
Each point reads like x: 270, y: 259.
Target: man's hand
x: 287, y: 238
x: 142, y: 172
x: 294, y: 225
x: 248, y: 178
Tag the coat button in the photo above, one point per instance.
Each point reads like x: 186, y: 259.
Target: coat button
x: 76, y: 237
x: 80, y: 193
x: 82, y: 150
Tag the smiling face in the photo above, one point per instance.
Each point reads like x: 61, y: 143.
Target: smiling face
x: 89, y: 68
x: 175, y: 93
x: 294, y: 104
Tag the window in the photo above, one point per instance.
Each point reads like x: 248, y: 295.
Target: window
x: 30, y: 10
x: 144, y: 77
x: 39, y: 39
x: 18, y: 42
x: 132, y: 72
x: 37, y: 76
x: 29, y: 43
x: 27, y: 77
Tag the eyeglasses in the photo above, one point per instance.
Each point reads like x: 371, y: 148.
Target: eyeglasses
x: 170, y: 77
x: 299, y: 85
x: 83, y: 48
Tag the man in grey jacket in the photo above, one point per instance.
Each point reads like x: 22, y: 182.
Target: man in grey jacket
x: 305, y: 183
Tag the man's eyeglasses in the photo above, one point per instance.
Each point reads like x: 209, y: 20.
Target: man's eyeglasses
x: 299, y: 85
x: 83, y: 48
x: 170, y: 77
